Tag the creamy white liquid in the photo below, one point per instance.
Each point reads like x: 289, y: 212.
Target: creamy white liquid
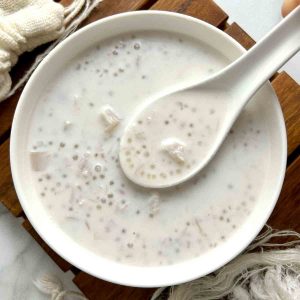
x: 77, y: 173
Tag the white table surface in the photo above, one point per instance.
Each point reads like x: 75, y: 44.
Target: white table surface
x: 257, y: 17
x: 22, y: 259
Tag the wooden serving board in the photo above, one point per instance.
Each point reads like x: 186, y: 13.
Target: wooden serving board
x: 286, y: 214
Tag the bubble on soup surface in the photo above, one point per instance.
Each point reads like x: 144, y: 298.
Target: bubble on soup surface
x: 39, y: 160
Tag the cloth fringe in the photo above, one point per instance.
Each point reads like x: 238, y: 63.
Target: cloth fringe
x: 266, y: 274
x: 49, y: 284
x: 74, y: 14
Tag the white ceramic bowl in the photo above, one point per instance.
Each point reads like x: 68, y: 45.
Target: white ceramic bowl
x: 77, y: 254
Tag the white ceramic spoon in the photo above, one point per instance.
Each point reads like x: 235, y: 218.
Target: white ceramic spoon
x: 176, y: 134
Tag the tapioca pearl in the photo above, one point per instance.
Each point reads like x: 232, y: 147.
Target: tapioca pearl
x: 213, y: 245
x: 117, y: 239
x: 230, y: 186
x: 127, y: 153
x: 163, y: 175
x: 182, y: 125
x: 251, y: 198
x: 137, y: 46
x: 75, y: 157
x: 152, y: 166
x: 48, y: 176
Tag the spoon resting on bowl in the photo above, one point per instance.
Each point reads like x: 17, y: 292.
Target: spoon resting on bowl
x: 180, y: 130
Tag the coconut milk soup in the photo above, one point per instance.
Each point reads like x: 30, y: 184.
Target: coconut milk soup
x: 73, y: 145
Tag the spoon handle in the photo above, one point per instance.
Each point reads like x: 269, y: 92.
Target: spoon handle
x: 248, y: 73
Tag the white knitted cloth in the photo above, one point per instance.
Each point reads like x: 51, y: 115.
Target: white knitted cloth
x: 26, y: 24
x: 262, y: 272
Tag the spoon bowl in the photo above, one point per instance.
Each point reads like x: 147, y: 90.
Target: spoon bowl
x: 179, y: 131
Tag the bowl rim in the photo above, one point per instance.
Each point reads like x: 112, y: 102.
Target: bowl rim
x: 128, y: 280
